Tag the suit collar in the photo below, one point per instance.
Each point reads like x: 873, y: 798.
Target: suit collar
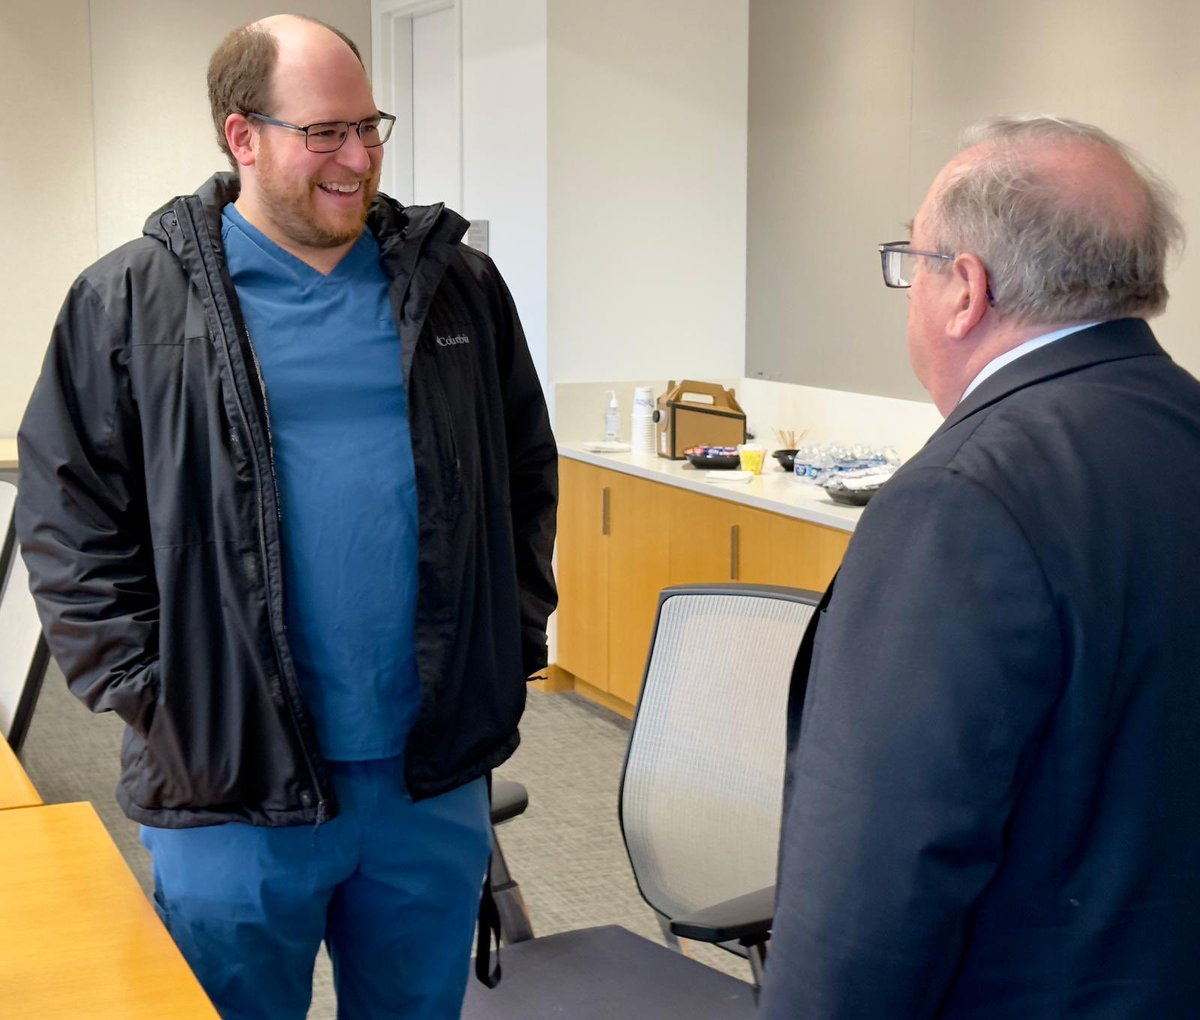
x: 1108, y: 341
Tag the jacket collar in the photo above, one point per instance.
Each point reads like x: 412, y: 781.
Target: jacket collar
x: 393, y: 224
x: 1108, y: 341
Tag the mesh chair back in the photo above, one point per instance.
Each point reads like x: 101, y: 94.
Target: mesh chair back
x: 8, y: 502
x: 23, y: 655
x: 703, y: 784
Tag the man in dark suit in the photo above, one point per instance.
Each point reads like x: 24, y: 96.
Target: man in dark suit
x: 994, y: 785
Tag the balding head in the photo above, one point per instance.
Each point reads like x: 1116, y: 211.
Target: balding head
x: 243, y: 70
x: 1069, y: 225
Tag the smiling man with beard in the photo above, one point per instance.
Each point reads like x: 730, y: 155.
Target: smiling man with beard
x: 300, y: 542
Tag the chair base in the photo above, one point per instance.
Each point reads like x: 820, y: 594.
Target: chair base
x: 605, y: 973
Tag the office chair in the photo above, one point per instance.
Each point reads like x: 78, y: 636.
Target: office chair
x: 509, y: 800
x: 701, y: 793
x: 23, y: 652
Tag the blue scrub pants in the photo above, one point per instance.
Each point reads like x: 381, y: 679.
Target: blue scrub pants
x: 392, y: 886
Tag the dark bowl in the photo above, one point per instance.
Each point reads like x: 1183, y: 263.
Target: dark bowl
x: 840, y: 493
x: 786, y: 458
x: 851, y: 497
x: 698, y: 457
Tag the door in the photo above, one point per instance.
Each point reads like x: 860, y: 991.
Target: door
x: 416, y: 62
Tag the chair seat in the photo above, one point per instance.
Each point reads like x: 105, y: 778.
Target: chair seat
x: 605, y: 973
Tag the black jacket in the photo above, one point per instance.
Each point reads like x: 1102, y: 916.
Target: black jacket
x: 148, y: 516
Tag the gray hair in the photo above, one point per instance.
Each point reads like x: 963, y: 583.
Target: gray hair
x: 1050, y: 260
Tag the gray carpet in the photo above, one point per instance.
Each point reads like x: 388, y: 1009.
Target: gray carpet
x: 566, y: 850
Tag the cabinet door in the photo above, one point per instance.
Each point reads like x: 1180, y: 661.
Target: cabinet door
x: 707, y: 534
x: 638, y: 569
x: 775, y: 549
x: 584, y: 494
x: 713, y: 539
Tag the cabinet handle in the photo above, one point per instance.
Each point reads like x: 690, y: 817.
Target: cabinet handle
x: 604, y: 505
x: 734, y: 544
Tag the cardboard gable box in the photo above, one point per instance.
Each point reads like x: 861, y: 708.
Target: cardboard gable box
x: 694, y: 413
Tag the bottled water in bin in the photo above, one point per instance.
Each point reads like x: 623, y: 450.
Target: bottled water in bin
x: 818, y: 462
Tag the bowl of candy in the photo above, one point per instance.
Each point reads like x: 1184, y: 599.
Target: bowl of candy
x: 722, y: 458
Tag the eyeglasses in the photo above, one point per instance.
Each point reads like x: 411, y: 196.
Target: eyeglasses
x: 899, y: 259
x: 331, y: 135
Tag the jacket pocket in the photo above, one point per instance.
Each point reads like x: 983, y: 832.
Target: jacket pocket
x: 449, y: 465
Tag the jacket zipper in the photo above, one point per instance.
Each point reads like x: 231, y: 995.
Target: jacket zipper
x: 322, y: 806
x: 262, y: 388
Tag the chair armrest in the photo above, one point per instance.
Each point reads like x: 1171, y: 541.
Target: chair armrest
x: 745, y: 918
x: 509, y: 799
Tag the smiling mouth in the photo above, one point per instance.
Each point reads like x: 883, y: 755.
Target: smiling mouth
x: 341, y: 189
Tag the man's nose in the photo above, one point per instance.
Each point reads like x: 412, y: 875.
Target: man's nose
x: 353, y: 155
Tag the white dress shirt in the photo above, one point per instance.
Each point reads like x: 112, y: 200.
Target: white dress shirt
x: 1020, y: 351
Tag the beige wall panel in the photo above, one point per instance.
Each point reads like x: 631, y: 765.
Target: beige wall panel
x: 828, y: 180
x: 646, y: 188
x: 1127, y: 65
x: 154, y: 136
x: 49, y: 205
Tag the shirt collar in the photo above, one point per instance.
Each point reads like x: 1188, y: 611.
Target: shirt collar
x: 1020, y: 351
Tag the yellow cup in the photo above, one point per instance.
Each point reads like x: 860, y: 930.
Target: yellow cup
x: 751, y: 457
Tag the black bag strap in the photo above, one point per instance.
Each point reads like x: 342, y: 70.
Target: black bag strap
x: 489, y: 923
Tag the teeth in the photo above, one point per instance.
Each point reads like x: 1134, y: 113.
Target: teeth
x: 344, y: 189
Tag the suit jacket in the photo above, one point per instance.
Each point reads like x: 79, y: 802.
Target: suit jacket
x: 994, y: 799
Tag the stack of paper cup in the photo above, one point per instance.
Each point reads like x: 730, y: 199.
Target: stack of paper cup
x: 641, y: 432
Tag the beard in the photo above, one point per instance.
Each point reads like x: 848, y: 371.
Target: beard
x: 295, y: 207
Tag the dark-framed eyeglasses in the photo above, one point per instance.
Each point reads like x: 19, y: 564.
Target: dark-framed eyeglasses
x: 899, y: 259
x: 331, y: 135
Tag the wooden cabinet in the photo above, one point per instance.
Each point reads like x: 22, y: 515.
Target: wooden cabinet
x: 622, y: 539
x: 713, y: 539
x: 584, y: 499
x: 612, y: 563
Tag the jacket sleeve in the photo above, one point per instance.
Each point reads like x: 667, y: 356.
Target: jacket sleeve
x: 533, y: 482
x: 935, y: 669
x: 82, y: 515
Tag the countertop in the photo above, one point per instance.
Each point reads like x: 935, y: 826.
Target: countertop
x: 775, y: 490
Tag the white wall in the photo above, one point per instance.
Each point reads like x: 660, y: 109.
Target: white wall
x: 48, y: 206
x: 622, y: 123
x: 122, y: 82
x: 154, y: 134
x: 647, y: 188
x: 504, y: 148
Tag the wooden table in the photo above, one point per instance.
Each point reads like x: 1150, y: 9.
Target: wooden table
x: 77, y: 936
x: 8, y: 455
x: 15, y: 788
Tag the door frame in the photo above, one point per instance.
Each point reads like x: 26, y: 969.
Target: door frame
x: 391, y: 59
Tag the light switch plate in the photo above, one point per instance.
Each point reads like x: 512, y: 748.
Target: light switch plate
x: 477, y: 235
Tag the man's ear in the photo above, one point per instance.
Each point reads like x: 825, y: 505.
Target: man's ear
x: 241, y: 138
x: 971, y: 295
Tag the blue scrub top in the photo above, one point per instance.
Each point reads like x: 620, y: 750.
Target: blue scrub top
x: 330, y: 358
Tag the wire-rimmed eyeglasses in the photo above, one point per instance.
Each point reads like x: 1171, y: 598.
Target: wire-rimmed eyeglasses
x: 331, y: 135
x: 899, y: 259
